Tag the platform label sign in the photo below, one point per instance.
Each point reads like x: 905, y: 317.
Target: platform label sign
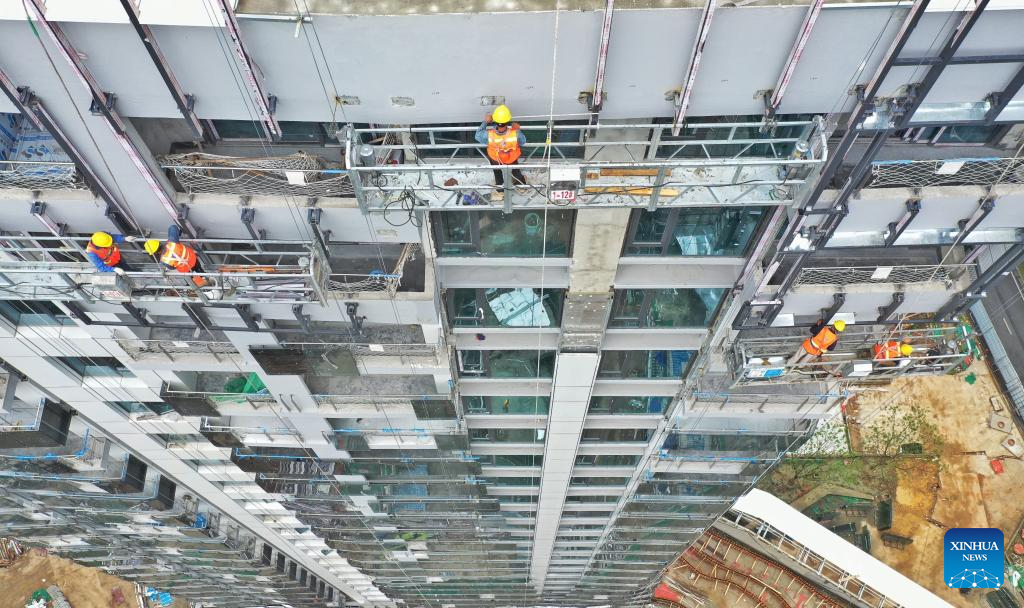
x: 973, y: 558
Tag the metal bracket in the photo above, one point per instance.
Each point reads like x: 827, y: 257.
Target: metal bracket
x: 352, y: 310
x: 245, y: 313
x: 257, y: 234
x: 896, y: 229
x: 838, y: 300
x: 77, y: 313
x: 139, y: 314
x: 102, y: 108
x: 967, y: 226
x: 301, y: 318
x: 886, y: 312
x: 197, y: 315
x: 314, y: 215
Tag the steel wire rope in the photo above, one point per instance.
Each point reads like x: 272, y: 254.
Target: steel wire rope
x: 380, y: 253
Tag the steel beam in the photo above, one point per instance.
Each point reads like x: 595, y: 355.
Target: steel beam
x: 602, y: 57
x: 896, y: 229
x: 1001, y: 99
x: 198, y: 316
x: 184, y: 101
x: 773, y: 98
x: 952, y: 45
x: 682, y: 100
x: 103, y: 102
x: 245, y: 313
x: 960, y: 60
x: 838, y: 299
x: 265, y: 103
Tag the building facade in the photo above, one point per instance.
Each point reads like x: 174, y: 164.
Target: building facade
x: 406, y: 386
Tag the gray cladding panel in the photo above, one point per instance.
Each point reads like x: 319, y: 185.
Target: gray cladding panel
x: 648, y: 56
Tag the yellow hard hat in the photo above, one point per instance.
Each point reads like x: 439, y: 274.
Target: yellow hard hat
x: 906, y: 350
x: 152, y: 246
x: 102, y: 239
x: 502, y: 114
x: 840, y: 325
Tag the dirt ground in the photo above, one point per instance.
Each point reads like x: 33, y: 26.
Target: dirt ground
x: 83, y: 587
x: 961, y: 491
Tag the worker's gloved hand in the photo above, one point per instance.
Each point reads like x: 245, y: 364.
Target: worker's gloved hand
x: 119, y: 271
x: 130, y: 239
x: 488, y: 119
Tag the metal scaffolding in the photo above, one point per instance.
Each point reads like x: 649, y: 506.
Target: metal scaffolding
x: 239, y: 271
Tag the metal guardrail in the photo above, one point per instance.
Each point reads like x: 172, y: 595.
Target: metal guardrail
x: 139, y: 349
x: 937, y: 350
x: 693, y: 169
x: 947, y: 172
x: 36, y: 175
x: 889, y: 275
x: 297, y: 174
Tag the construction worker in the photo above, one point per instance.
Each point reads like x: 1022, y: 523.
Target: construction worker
x: 176, y: 255
x: 823, y: 339
x: 891, y: 350
x: 103, y: 252
x: 504, y: 143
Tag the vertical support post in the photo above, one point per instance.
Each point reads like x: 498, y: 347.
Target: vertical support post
x: 682, y: 100
x: 773, y: 98
x: 184, y: 101
x: 506, y: 173
x: 602, y: 57
x: 659, y: 181
x: 265, y: 103
x: 10, y: 391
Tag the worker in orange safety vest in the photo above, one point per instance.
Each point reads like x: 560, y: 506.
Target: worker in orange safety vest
x: 177, y: 255
x: 890, y: 350
x: 504, y: 143
x: 823, y: 339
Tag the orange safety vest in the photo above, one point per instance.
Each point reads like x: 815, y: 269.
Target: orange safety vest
x: 504, y: 147
x: 178, y: 256
x: 819, y: 344
x: 884, y: 352
x: 110, y: 256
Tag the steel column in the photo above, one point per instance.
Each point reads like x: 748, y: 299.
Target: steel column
x: 184, y: 101
x: 265, y: 103
x: 773, y: 98
x: 976, y: 290
x: 682, y: 100
x: 597, y: 98
x: 103, y: 102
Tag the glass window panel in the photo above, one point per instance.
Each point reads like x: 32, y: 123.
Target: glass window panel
x: 628, y: 405
x: 506, y: 307
x: 675, y: 307
x: 496, y: 234
x: 506, y: 405
x: 507, y: 363
x: 638, y: 364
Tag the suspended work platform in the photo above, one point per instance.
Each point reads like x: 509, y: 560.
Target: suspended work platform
x: 713, y: 164
x: 780, y: 359
x: 234, y: 270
